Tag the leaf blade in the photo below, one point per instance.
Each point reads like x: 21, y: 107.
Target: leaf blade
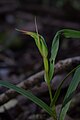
x: 72, y: 87
x: 67, y: 33
x: 57, y: 93
x: 70, y: 33
x: 54, y: 50
x: 39, y: 40
x: 29, y: 95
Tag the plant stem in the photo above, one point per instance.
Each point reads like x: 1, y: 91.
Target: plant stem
x: 50, y: 91
x: 53, y: 108
x: 47, y: 79
x: 51, y: 97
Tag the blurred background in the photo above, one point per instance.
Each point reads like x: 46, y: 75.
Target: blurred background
x: 19, y: 56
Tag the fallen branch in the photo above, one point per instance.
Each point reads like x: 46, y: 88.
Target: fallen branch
x: 30, y: 82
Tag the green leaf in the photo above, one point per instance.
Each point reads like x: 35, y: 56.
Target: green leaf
x: 68, y: 98
x: 57, y: 93
x: 72, y: 87
x: 67, y: 33
x: 70, y: 33
x: 40, y: 42
x: 54, y: 50
x: 29, y: 95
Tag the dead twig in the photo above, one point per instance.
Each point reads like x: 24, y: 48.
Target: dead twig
x: 30, y: 82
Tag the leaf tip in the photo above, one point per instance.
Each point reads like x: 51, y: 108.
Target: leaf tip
x: 19, y: 30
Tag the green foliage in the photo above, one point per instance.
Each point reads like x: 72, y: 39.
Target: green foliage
x: 54, y: 50
x: 67, y: 33
x: 29, y: 95
x: 67, y: 100
x: 57, y: 93
x: 49, y: 72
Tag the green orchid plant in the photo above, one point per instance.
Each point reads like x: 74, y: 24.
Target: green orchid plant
x: 49, y: 72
